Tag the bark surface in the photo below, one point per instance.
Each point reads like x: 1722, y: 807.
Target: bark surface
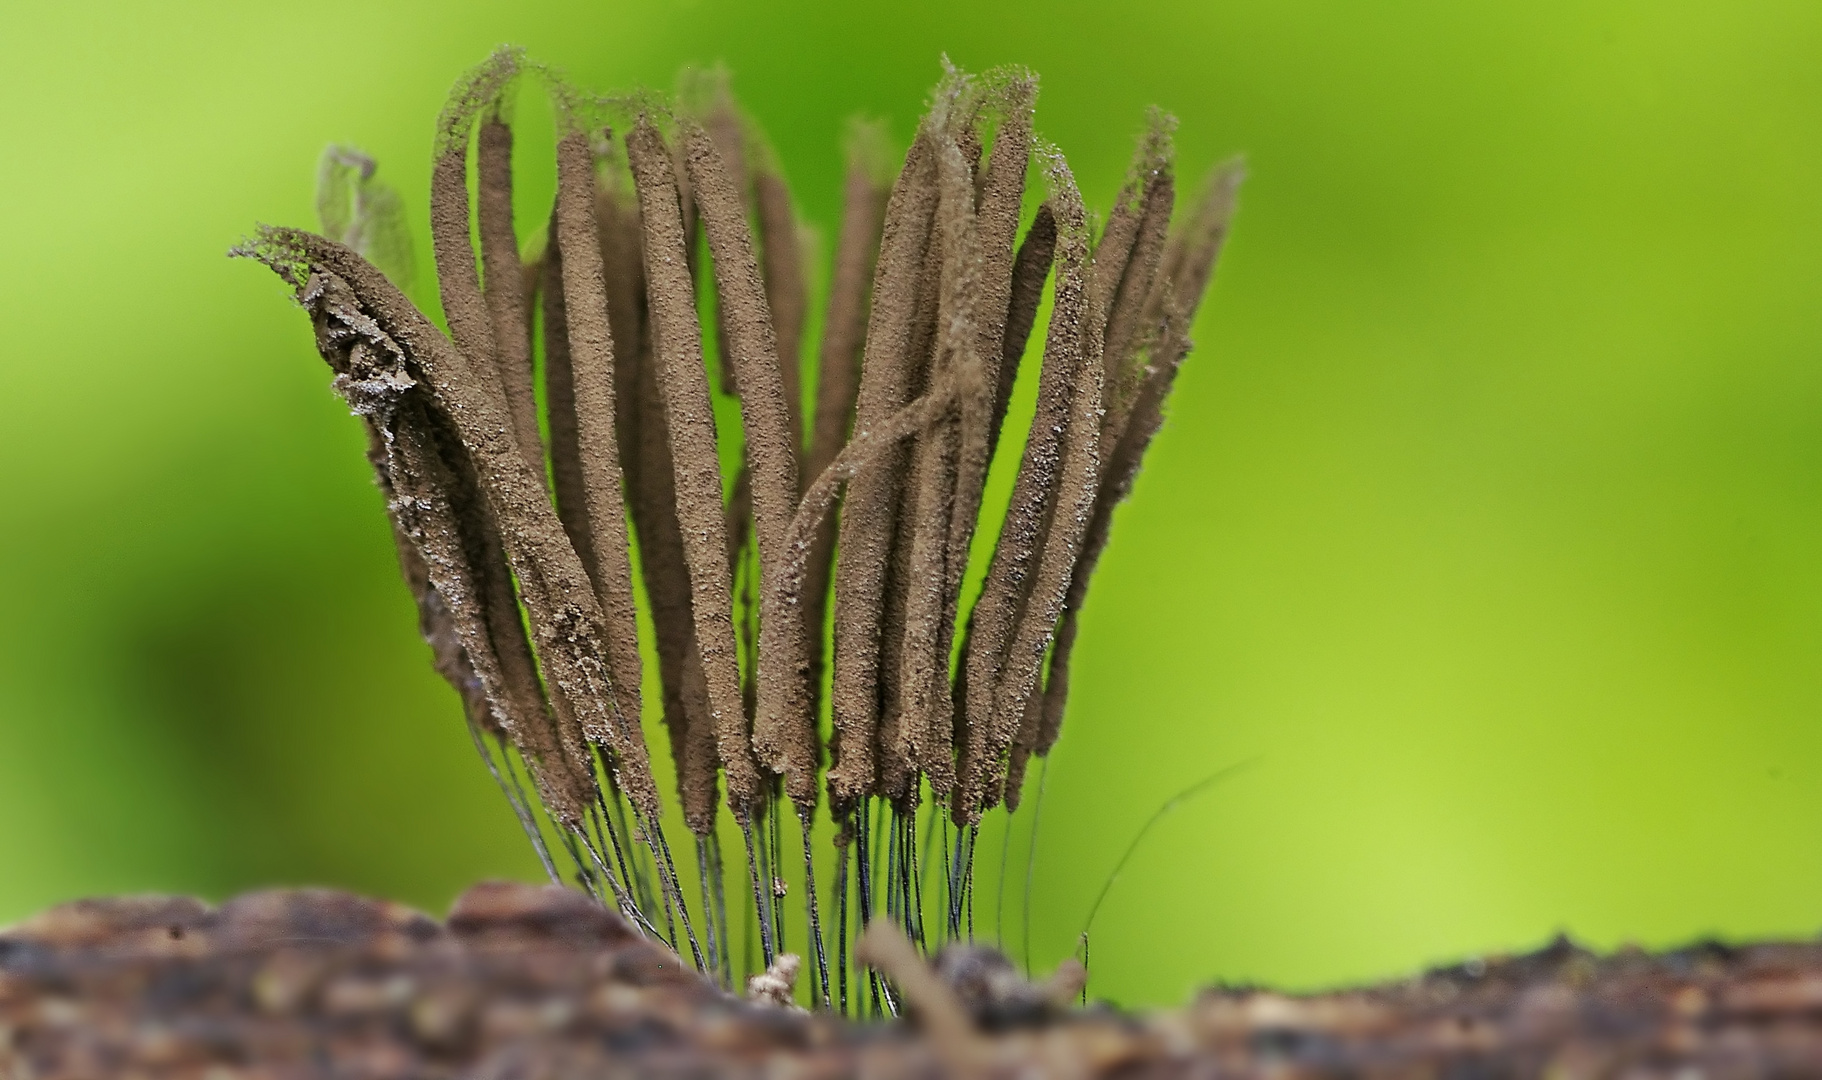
x: 523, y: 981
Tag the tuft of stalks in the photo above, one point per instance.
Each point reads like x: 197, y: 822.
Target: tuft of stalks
x: 563, y: 433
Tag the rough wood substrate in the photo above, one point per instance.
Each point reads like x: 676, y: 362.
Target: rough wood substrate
x: 524, y: 981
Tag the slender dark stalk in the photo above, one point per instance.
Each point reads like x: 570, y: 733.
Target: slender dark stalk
x: 759, y: 901
x: 842, y: 849
x: 772, y: 869
x: 583, y: 877
x: 957, y: 880
x: 719, y: 877
x: 515, y: 797
x: 809, y: 886
x: 667, y: 874
x: 711, y: 932
x: 974, y: 832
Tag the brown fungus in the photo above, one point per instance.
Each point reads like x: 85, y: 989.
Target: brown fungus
x: 529, y: 608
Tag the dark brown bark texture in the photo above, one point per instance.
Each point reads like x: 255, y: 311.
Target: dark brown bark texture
x: 523, y: 982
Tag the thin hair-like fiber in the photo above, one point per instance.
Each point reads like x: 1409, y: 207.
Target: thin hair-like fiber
x: 677, y: 344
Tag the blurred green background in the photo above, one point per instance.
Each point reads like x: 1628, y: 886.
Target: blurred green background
x: 1488, y: 518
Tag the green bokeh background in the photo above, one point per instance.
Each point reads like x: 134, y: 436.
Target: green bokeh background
x: 1486, y: 523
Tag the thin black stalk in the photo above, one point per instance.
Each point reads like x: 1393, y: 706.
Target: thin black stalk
x: 517, y: 801
x: 667, y: 874
x: 620, y: 842
x: 974, y: 832
x: 629, y: 885
x: 583, y: 876
x: 957, y: 883
x: 948, y: 864
x: 867, y: 843
x: 595, y: 850
x: 719, y: 877
x: 709, y: 929
x: 841, y: 925
x: 530, y: 820
x: 893, y: 870
x: 1085, y: 969
x: 914, y: 886
x: 775, y: 863
x: 923, y: 860
x: 621, y: 898
x: 625, y: 855
x: 765, y: 922
x: 809, y: 891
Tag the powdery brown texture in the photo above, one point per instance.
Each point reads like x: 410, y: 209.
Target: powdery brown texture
x: 1176, y: 294
x: 591, y: 357
x: 787, y: 294
x: 926, y: 725
x: 560, y: 407
x: 447, y: 540
x: 565, y: 621
x: 838, y: 379
x: 504, y: 281
x: 1077, y: 481
x: 677, y: 343
x: 784, y: 734
x: 1029, y: 270
x: 997, y: 614
x: 897, y: 770
x: 869, y: 508
x: 651, y: 500
x: 1002, y: 191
